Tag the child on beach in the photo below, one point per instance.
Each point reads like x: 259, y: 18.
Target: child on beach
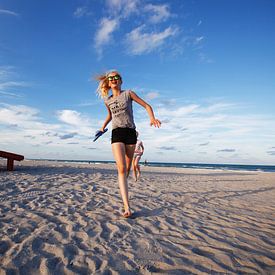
x: 139, y: 150
x: 124, y: 138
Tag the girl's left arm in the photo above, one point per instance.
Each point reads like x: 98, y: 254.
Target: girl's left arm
x: 153, y: 120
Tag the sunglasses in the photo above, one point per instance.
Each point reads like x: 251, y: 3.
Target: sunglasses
x: 115, y: 77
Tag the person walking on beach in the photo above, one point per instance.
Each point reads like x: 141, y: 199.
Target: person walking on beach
x: 139, y: 150
x: 124, y: 138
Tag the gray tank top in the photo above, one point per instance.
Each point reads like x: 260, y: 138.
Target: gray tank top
x: 122, y: 110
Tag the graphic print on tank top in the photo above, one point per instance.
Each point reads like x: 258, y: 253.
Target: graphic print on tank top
x: 118, y: 108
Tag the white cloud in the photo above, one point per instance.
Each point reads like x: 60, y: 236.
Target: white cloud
x: 104, y: 34
x: 159, y: 14
x: 227, y: 150
x: 152, y: 95
x: 12, y: 84
x: 122, y: 8
x: 27, y: 119
x: 5, y: 71
x: 218, y: 127
x: 72, y: 117
x: 216, y: 107
x: 8, y: 94
x: 187, y: 128
x: 18, y: 115
x: 203, y: 58
x: 8, y: 12
x: 198, y: 39
x: 80, y: 12
x: 23, y: 130
x: 119, y: 13
x: 21, y: 126
x: 68, y: 136
x: 7, y: 85
x: 139, y: 42
x: 178, y: 112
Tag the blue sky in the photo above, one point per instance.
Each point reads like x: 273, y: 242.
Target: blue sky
x: 206, y: 67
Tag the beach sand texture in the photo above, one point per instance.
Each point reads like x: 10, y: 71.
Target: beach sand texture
x: 65, y: 218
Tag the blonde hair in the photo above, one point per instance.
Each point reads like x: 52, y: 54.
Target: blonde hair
x: 103, y: 86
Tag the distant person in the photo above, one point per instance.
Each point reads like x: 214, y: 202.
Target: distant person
x: 139, y: 150
x: 124, y: 138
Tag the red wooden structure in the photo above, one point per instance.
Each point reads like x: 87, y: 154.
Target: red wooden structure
x: 11, y: 157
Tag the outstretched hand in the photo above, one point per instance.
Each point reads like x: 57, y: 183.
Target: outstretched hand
x: 155, y: 122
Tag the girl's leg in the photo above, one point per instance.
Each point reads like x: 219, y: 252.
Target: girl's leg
x: 119, y: 152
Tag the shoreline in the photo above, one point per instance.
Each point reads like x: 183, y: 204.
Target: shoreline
x: 59, y: 217
x: 204, y: 166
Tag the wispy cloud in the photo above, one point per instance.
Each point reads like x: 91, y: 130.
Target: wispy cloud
x: 204, y: 144
x: 146, y: 34
x: 91, y: 148
x: 5, y: 71
x: 152, y: 95
x: 8, y: 12
x: 219, y: 128
x: 88, y: 104
x: 186, y: 129
x: 104, y: 34
x: 20, y: 124
x: 8, y: 94
x: 68, y: 136
x: 27, y: 120
x: 226, y: 150
x: 8, y: 84
x: 72, y: 117
x: 158, y: 13
x: 179, y: 111
x: 198, y: 40
x: 12, y: 84
x: 56, y: 139
x: 80, y: 12
x: 203, y: 58
x: 139, y: 42
x: 167, y: 148
x: 122, y: 8
x: 18, y: 114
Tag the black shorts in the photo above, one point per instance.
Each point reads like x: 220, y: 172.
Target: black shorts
x: 124, y: 135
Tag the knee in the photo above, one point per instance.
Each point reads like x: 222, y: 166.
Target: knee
x: 121, y: 169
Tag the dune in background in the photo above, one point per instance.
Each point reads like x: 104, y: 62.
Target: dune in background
x: 65, y: 218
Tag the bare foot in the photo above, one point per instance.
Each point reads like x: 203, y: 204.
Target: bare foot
x: 127, y: 213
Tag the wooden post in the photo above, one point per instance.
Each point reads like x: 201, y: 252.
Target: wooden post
x: 10, y: 165
x: 11, y: 157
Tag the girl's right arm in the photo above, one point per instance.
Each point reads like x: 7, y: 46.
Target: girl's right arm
x: 108, y: 118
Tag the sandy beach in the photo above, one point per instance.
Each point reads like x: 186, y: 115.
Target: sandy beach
x: 65, y: 218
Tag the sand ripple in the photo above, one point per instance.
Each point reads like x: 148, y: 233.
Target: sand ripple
x: 59, y: 218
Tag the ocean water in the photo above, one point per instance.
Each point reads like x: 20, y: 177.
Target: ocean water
x: 241, y: 167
